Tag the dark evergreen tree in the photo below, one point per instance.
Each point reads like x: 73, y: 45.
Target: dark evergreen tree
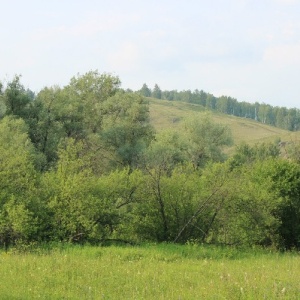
x: 16, y: 98
x: 156, y: 93
x: 145, y: 91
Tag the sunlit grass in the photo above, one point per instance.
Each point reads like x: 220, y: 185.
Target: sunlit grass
x: 170, y: 114
x: 150, y: 272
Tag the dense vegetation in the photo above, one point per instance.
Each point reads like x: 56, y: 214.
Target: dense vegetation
x: 82, y: 164
x: 281, y: 117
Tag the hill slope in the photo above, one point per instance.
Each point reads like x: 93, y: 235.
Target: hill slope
x: 171, y: 114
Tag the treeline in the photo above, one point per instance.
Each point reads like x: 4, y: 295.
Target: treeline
x: 83, y: 164
x: 281, y: 117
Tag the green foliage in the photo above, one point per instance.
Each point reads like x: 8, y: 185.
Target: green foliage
x: 246, y: 217
x: 16, y: 158
x: 246, y: 154
x: 2, y: 107
x: 285, y: 183
x: 123, y: 192
x: 266, y: 204
x: 73, y: 205
x: 18, y: 224
x: 200, y: 141
x: 167, y: 201
x: 207, y: 140
x: 156, y: 92
x: 45, y: 128
x: 90, y: 91
x: 126, y: 128
x: 83, y: 164
x: 18, y: 204
x: 165, y: 152
x: 85, y: 110
x: 145, y: 91
x: 292, y: 150
x: 16, y: 99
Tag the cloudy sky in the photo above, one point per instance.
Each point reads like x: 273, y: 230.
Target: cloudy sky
x: 246, y: 49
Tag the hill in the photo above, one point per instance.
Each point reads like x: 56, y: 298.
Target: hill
x: 170, y: 114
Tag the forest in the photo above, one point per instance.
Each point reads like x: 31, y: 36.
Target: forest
x: 83, y: 164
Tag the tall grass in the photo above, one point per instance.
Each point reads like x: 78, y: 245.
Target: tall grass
x: 149, y: 272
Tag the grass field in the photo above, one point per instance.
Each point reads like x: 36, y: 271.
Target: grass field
x: 170, y: 114
x: 149, y: 272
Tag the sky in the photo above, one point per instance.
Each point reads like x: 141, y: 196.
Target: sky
x: 246, y: 49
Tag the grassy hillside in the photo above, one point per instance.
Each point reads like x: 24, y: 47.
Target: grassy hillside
x: 171, y: 114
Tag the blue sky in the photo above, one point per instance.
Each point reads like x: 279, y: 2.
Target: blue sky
x: 249, y: 50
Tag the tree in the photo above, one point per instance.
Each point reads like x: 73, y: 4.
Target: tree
x: 206, y: 140
x: 16, y: 98
x: 19, y: 208
x: 145, y: 91
x: 284, y: 177
x: 294, y: 119
x: 248, y: 110
x: 232, y: 106
x: 186, y: 96
x: 246, y: 154
x: 201, y: 97
x: 211, y: 102
x: 90, y: 91
x: 169, y: 95
x: 122, y: 192
x: 2, y: 107
x: 281, y: 113
x: 75, y: 111
x: 156, y: 92
x: 45, y: 126
x: 165, y: 153
x: 207, y: 202
x: 166, y: 202
x: 265, y: 113
x: 171, y: 151
x: 126, y: 127
x: 222, y: 104
x: 264, y: 207
x: 16, y: 157
x: 74, y: 208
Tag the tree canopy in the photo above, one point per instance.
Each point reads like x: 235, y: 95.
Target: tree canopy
x: 82, y: 163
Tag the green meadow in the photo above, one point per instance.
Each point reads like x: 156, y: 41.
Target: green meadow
x: 163, y: 271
